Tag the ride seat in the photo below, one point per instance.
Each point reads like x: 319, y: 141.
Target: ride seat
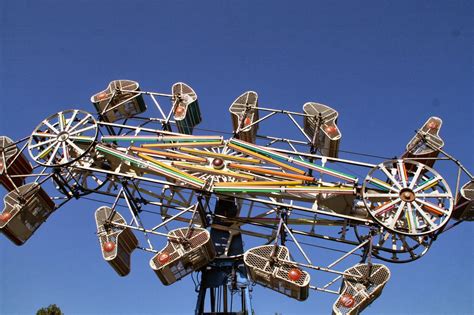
x: 120, y: 100
x: 116, y: 243
x: 425, y: 145
x: 244, y: 112
x: 24, y: 212
x: 9, y: 165
x: 358, y: 293
x: 274, y: 274
x: 464, y: 207
x: 187, y: 250
x: 186, y: 110
x: 321, y: 127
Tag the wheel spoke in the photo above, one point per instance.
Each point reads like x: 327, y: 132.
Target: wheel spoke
x: 407, y: 247
x: 50, y: 127
x: 82, y: 138
x: 415, y: 176
x: 61, y: 121
x: 433, y: 194
x: 39, y: 144
x: 45, y: 151
x: 381, y: 183
x: 381, y: 195
x: 433, y: 208
x: 411, y: 219
x: 402, y: 172
x: 424, y: 215
x: 71, y: 120
x: 385, y: 207
x: 390, y: 176
x: 65, y: 152
x: 53, y: 155
x: 79, y: 150
x: 79, y: 123
x: 428, y: 184
x: 82, y: 130
x: 397, y: 215
x: 43, y: 134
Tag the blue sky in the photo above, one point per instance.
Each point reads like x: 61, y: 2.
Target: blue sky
x: 386, y: 66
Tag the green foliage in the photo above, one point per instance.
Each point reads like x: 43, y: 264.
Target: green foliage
x: 52, y: 309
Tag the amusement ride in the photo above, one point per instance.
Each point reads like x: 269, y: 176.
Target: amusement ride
x: 238, y: 210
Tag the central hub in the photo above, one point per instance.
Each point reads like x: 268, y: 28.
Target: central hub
x: 63, y: 136
x: 407, y: 195
x: 218, y: 163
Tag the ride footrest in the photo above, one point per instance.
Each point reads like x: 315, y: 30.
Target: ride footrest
x: 120, y: 100
x: 464, y: 208
x: 187, y: 250
x: 360, y: 291
x: 24, y: 211
x: 17, y: 164
x: 267, y: 265
x: 116, y: 242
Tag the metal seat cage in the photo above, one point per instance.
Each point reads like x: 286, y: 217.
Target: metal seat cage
x: 187, y: 250
x: 29, y: 207
x: 267, y: 265
x: 244, y: 114
x: 185, y: 108
x: 111, y: 228
x: 363, y: 290
x: 12, y: 163
x: 320, y: 124
x: 119, y: 101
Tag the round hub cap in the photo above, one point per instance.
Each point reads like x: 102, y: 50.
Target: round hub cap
x: 407, y: 195
x: 218, y: 163
x: 63, y: 136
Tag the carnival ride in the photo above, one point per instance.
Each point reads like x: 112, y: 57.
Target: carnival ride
x: 198, y: 196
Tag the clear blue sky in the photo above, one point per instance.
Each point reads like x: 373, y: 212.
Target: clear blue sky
x: 386, y: 66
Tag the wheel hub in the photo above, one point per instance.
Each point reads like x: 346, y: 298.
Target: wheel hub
x: 63, y: 136
x: 407, y: 195
x: 218, y: 163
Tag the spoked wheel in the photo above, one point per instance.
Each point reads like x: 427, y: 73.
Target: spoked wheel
x: 63, y: 138
x: 395, y: 248
x: 83, y: 181
x: 410, y: 198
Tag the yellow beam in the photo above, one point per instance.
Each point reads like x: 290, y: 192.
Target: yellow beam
x: 259, y: 183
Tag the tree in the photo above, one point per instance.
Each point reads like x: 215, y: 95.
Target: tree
x: 52, y: 309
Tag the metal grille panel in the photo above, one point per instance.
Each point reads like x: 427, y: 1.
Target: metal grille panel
x: 274, y: 274
x: 363, y: 290
x: 119, y: 100
x: 29, y: 208
x: 122, y: 237
x: 192, y: 251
